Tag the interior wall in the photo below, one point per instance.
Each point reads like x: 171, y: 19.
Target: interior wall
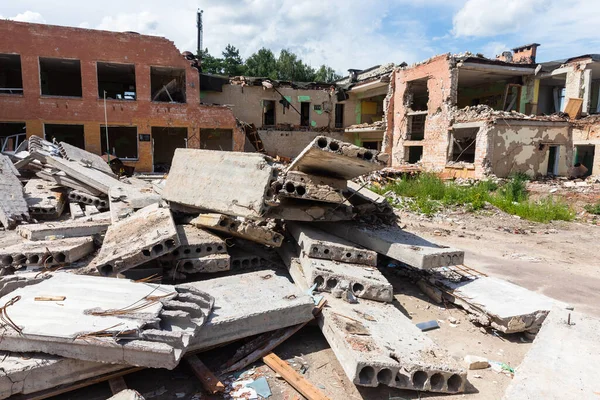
x: 165, y: 141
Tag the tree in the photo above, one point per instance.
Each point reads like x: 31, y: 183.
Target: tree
x: 210, y: 64
x: 262, y: 64
x: 291, y: 68
x: 326, y: 74
x: 233, y: 65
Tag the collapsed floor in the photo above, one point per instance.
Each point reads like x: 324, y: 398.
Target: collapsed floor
x: 210, y: 250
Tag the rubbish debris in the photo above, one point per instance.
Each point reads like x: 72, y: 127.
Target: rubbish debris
x: 429, y: 325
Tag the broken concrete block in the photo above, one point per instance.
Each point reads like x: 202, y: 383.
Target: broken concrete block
x: 365, y: 194
x: 10, y: 283
x: 76, y: 211
x: 125, y: 199
x: 397, y: 244
x: 249, y: 304
x: 66, y: 229
x: 298, y: 210
x: 243, y: 259
x: 194, y: 243
x: 82, y: 197
x: 206, y: 264
x: 86, y: 158
x: 369, y: 206
x: 329, y: 157
x: 46, y: 252
x: 475, y: 362
x: 59, y: 177
x: 309, y: 187
x: 222, y: 181
x: 334, y: 277
x: 127, y: 394
x: 116, y: 321
x: 500, y: 304
x: 376, y: 344
x: 317, y: 244
x: 561, y: 362
x: 148, y: 234
x: 13, y: 207
x: 44, y: 199
x: 244, y: 229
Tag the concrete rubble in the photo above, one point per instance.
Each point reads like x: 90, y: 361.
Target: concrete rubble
x: 212, y: 247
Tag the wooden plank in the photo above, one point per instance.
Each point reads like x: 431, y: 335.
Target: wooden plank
x: 209, y: 381
x: 117, y: 384
x: 296, y: 380
x: 264, y: 344
x: 573, y: 108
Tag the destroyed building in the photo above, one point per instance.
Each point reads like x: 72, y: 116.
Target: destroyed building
x: 289, y: 115
x: 53, y: 81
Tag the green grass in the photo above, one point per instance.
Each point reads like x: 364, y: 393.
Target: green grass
x: 430, y: 194
x: 593, y: 208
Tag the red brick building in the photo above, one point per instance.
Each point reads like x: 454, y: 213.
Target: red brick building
x: 53, y: 81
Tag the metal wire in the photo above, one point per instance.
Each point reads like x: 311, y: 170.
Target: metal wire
x: 4, y: 315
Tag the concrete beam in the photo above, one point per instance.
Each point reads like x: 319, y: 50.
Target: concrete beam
x: 500, y: 304
x: 44, y: 199
x: 246, y: 229
x: 317, y: 244
x: 206, y: 264
x: 67, y: 229
x: 194, y: 243
x: 222, y: 181
x: 59, y: 177
x: 149, y: 234
x: 397, y: 244
x: 298, y: 210
x: 309, y: 187
x: 13, y: 207
x: 78, y: 196
x: 46, y: 252
x: 561, y: 363
x: 334, y: 158
x: 377, y: 345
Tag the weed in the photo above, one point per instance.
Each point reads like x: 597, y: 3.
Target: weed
x: 593, y: 208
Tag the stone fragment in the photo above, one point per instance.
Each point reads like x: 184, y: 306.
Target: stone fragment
x: 245, y: 229
x: 476, y: 362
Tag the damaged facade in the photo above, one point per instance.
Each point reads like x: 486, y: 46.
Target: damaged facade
x: 53, y: 80
x: 289, y: 115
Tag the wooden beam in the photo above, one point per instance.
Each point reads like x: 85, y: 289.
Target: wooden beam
x: 298, y: 382
x: 117, y: 384
x: 209, y: 381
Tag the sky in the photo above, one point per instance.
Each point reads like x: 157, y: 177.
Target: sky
x: 340, y: 33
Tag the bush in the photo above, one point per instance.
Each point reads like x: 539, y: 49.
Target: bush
x: 593, y: 208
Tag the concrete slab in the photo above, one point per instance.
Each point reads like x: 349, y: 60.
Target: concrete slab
x: 396, y: 243
x: 334, y: 158
x: 194, y: 243
x: 8, y: 283
x: 337, y: 278
x: 309, y: 187
x: 500, y: 304
x: 67, y: 229
x: 13, y: 207
x: 318, y: 244
x: 103, y: 319
x: 249, y: 304
x: 242, y: 259
x: 76, y: 211
x: 59, y: 177
x: 78, y: 196
x: 46, y: 252
x: 125, y: 199
x: 149, y: 233
x: 44, y: 199
x: 223, y: 181
x: 245, y: 229
x: 376, y: 344
x: 309, y: 211
x: 562, y: 362
x: 207, y: 264
x: 91, y: 160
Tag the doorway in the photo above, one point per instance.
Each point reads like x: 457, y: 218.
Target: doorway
x: 585, y: 155
x: 553, y: 157
x: 304, y: 114
x: 164, y: 142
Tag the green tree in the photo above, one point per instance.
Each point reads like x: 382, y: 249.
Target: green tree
x: 291, y: 68
x: 210, y: 64
x: 326, y: 74
x: 262, y: 64
x: 233, y: 65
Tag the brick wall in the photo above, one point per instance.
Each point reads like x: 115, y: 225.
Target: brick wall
x: 32, y: 41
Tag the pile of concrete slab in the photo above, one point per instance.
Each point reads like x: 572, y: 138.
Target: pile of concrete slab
x: 101, y: 274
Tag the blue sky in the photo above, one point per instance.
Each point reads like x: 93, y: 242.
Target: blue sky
x: 341, y: 33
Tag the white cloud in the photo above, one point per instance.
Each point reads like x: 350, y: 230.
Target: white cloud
x: 29, y: 16
x: 143, y: 22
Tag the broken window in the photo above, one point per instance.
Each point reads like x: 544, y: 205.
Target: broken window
x: 165, y: 141
x: 584, y: 155
x: 413, y: 154
x: 12, y: 134
x: 512, y: 97
x: 416, y: 125
x: 339, y: 115
x: 72, y: 134
x: 268, y: 112
x: 167, y: 84
x: 122, y: 141
x: 304, y: 114
x: 372, y: 145
x: 462, y: 143
x: 60, y: 77
x: 118, y: 80
x: 216, y: 139
x: 371, y: 109
x: 418, y: 95
x: 11, y: 81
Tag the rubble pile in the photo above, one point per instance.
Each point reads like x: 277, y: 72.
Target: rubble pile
x: 482, y: 112
x: 101, y: 275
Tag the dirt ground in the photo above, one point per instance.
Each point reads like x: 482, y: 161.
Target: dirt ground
x: 559, y: 260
